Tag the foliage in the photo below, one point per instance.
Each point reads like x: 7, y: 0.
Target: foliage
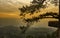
x: 36, y: 5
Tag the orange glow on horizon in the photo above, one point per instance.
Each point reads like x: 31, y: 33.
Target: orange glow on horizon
x: 9, y: 15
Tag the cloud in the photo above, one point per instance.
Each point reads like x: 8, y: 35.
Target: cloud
x: 11, y: 5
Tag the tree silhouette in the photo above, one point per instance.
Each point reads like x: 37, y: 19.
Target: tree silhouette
x: 36, y: 5
x: 54, y: 15
x: 36, y: 19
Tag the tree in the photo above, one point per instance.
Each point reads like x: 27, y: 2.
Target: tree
x: 36, y: 5
x: 31, y: 21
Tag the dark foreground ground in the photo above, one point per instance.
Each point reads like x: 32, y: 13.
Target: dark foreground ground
x: 15, y: 32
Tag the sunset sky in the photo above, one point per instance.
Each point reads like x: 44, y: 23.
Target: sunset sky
x: 9, y: 9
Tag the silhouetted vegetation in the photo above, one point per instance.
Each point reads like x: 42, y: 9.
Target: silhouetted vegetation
x: 54, y: 15
x: 36, y: 5
x: 36, y: 19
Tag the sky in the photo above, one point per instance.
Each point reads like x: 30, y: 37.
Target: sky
x: 12, y: 5
x: 9, y: 8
